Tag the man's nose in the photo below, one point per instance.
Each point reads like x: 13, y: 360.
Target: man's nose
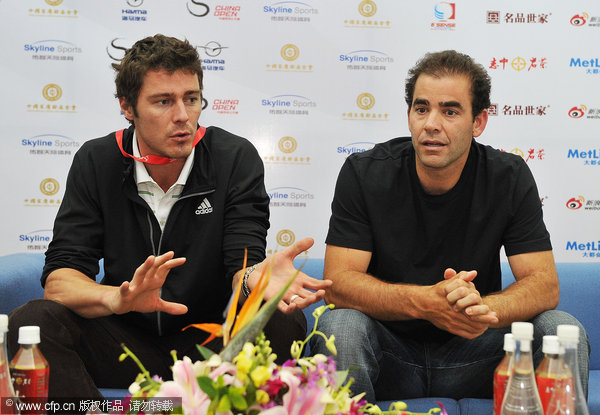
x: 180, y: 112
x: 433, y: 121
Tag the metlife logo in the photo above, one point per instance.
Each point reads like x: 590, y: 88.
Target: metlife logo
x: 588, y: 65
x: 589, y: 157
x: 587, y: 249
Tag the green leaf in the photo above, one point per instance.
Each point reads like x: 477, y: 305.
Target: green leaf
x: 237, y: 399
x: 205, y: 351
x: 224, y: 404
x: 206, y: 384
x: 342, y: 375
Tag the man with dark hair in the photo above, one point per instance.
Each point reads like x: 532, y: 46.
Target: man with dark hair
x: 413, y: 248
x: 162, y: 187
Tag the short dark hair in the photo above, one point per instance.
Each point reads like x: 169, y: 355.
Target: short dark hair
x: 153, y: 53
x: 451, y: 62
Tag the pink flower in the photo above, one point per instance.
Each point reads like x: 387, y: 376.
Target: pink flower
x: 305, y: 400
x: 185, y: 386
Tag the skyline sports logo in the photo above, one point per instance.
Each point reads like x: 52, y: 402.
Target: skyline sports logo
x: 290, y: 11
x: 366, y: 60
x: 289, y: 197
x: 50, y: 144
x: 356, y: 147
x: 37, y: 240
x: 288, y: 104
x: 52, y: 50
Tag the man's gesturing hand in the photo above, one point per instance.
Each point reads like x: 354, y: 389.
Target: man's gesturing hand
x: 142, y: 293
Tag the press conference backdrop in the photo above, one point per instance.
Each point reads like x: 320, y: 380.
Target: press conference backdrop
x: 308, y: 83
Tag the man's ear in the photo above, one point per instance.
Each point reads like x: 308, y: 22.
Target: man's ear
x: 480, y: 122
x: 126, y: 108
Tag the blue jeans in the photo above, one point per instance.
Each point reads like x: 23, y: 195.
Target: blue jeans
x: 389, y: 367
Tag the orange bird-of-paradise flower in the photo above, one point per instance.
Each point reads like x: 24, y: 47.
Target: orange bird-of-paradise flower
x: 251, y: 306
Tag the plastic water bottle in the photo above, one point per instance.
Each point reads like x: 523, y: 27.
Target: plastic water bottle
x: 29, y: 368
x: 521, y: 392
x: 568, y: 398
x: 6, y: 387
x: 502, y: 373
x: 551, y: 370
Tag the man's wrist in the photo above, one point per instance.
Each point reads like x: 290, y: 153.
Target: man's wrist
x: 245, y: 288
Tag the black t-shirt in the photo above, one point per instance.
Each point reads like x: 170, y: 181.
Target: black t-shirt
x: 379, y: 206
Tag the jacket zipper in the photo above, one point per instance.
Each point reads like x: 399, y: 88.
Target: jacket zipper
x: 157, y: 252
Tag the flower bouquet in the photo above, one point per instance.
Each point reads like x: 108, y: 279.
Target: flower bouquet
x: 244, y: 379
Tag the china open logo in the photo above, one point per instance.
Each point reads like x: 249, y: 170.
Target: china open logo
x: 367, y: 8
x: 49, y: 186
x: 365, y: 101
x: 575, y: 203
x: 577, y: 112
x: 52, y: 92
x: 290, y: 52
x: 285, y: 237
x: 54, y: 2
x: 287, y: 145
x: 579, y: 19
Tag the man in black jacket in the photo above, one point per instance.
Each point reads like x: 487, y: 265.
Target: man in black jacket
x: 161, y: 188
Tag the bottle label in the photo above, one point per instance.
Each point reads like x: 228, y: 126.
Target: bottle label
x: 500, y: 382
x: 547, y: 385
x: 31, y: 383
x: 545, y: 388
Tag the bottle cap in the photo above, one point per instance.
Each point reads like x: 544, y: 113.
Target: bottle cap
x: 522, y: 330
x: 551, y: 345
x: 29, y: 335
x: 3, y: 323
x: 509, y: 342
x: 567, y: 333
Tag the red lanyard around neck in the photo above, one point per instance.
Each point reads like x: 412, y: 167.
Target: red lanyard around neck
x: 151, y: 158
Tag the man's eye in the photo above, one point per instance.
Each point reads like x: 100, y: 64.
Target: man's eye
x: 451, y: 113
x: 163, y: 102
x: 420, y: 110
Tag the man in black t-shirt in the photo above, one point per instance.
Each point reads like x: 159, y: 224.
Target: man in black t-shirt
x: 413, y: 248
